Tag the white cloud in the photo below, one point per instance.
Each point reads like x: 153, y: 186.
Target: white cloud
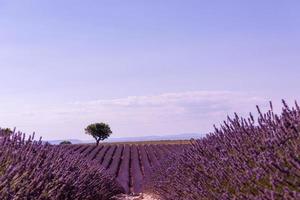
x: 194, y: 111
x: 191, y: 102
x: 168, y: 113
x: 174, y: 98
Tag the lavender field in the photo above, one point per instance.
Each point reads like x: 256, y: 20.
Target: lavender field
x: 243, y: 159
x: 149, y: 100
x: 32, y: 170
x: 130, y: 164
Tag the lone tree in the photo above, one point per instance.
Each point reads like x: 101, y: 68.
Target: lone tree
x: 99, y: 131
x: 5, y: 132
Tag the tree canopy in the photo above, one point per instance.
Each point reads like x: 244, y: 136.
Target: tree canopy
x: 99, y: 131
x: 5, y: 132
x: 65, y: 142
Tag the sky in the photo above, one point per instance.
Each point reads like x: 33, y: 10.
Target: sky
x: 145, y: 67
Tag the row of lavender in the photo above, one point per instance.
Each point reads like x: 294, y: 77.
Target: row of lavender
x: 32, y: 170
x: 129, y: 164
x: 244, y: 159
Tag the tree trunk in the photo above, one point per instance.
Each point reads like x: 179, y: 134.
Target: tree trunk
x: 97, y: 142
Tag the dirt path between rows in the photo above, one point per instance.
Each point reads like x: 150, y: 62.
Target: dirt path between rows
x: 137, y: 197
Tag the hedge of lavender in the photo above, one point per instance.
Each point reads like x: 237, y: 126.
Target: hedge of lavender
x: 32, y: 170
x: 244, y: 159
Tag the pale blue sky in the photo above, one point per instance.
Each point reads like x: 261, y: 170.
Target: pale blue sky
x: 65, y: 64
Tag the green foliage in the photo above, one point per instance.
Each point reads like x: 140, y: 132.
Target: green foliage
x: 99, y: 131
x: 65, y: 142
x: 5, y: 132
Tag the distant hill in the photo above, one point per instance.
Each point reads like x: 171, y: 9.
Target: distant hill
x: 185, y: 136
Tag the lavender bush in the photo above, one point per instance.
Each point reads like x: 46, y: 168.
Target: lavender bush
x: 243, y: 159
x: 32, y: 170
